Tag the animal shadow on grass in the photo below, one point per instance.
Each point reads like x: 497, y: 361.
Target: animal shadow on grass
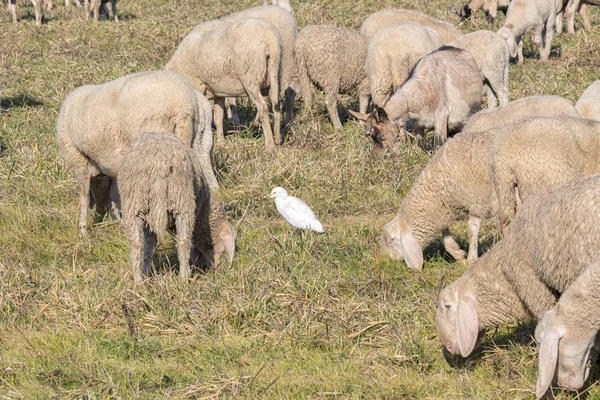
x: 18, y: 101
x: 531, y: 52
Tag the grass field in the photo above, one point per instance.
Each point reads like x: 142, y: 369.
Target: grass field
x: 295, y: 316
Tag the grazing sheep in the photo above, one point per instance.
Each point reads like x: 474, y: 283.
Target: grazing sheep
x: 566, y: 334
x: 234, y: 59
x: 159, y: 182
x: 379, y: 19
x: 285, y: 4
x: 442, y: 92
x: 93, y: 7
x: 539, y: 154
x: 490, y: 7
x: 332, y: 59
x: 490, y: 52
x: 588, y: 105
x: 520, y: 108
x: 92, y: 142
x: 392, y: 53
x: 552, y: 240
x: 523, y: 16
x: 162, y: 184
x: 452, y: 187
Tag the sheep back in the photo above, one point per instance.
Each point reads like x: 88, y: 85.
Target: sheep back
x: 588, y: 105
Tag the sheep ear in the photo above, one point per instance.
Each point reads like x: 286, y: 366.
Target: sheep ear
x: 547, y: 361
x: 360, y: 116
x: 467, y: 325
x: 413, y: 254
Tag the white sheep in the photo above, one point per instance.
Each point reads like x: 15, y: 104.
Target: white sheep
x: 162, y: 185
x: 523, y: 16
x: 566, y: 334
x: 442, y: 92
x: 285, y: 4
x: 92, y: 142
x: 588, y: 105
x: 40, y: 7
x: 379, y: 19
x: 569, y: 10
x: 490, y: 52
x: 240, y: 58
x: 520, y: 108
x: 93, y: 7
x: 490, y: 7
x: 331, y: 59
x: 392, y: 53
x: 539, y: 154
x: 552, y: 240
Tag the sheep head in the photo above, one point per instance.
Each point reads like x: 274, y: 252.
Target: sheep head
x: 456, y: 319
x: 570, y: 349
x: 509, y: 36
x: 382, y: 132
x: 398, y: 243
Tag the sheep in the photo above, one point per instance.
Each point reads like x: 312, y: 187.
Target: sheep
x: 234, y: 59
x: 517, y: 109
x: 552, y: 240
x: 286, y: 25
x: 93, y: 7
x: 161, y: 184
x: 442, y: 92
x: 285, y: 4
x: 588, y: 105
x: 92, y: 142
x: 569, y: 10
x: 490, y: 52
x: 539, y: 154
x: 332, y: 59
x: 40, y: 7
x: 524, y: 16
x: 490, y: 7
x: 379, y: 19
x: 392, y: 53
x: 566, y: 335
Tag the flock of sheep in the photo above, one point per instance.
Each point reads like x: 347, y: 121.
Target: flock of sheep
x: 529, y: 163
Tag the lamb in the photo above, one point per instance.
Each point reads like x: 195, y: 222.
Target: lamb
x: 92, y: 143
x: 442, y: 92
x: 569, y: 11
x: 552, y: 240
x: 490, y: 52
x: 490, y: 7
x: 539, y: 154
x: 161, y: 184
x: 588, y: 105
x: 234, y: 59
x: 517, y: 109
x: 332, y: 59
x: 524, y: 16
x: 567, y: 334
x: 285, y: 4
x: 452, y: 187
x: 392, y: 53
x: 379, y: 19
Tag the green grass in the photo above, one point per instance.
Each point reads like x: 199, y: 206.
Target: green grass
x: 313, y: 316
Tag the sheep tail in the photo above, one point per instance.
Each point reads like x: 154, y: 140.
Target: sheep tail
x: 274, y: 71
x: 158, y: 215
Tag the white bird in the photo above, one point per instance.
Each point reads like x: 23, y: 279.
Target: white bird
x: 295, y: 211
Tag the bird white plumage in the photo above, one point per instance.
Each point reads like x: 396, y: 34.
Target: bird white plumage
x: 295, y: 211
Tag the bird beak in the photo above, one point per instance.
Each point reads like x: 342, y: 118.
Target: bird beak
x: 272, y: 195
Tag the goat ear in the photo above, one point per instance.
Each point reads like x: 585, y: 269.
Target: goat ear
x: 360, y: 116
x: 413, y: 254
x: 548, y: 356
x: 382, y: 115
x: 467, y: 325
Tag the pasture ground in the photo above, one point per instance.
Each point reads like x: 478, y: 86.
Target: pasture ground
x: 296, y: 316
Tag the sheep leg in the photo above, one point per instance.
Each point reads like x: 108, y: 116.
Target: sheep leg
x: 39, y: 11
x: 263, y: 114
x: 185, y: 226
x: 218, y: 118
x: 114, y: 10
x: 135, y: 249
x: 492, y: 100
x: 232, y: 112
x: 558, y: 24
x: 570, y: 9
x: 12, y: 6
x: 84, y: 199
x: 441, y: 131
x: 548, y: 36
x: 331, y: 104
x: 149, y: 249
x: 583, y: 12
x: 86, y: 9
x: 288, y: 105
x: 520, y: 50
x: 452, y: 247
x: 473, y: 227
x: 95, y: 7
x: 363, y: 103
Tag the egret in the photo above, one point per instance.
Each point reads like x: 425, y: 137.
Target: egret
x: 295, y: 211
